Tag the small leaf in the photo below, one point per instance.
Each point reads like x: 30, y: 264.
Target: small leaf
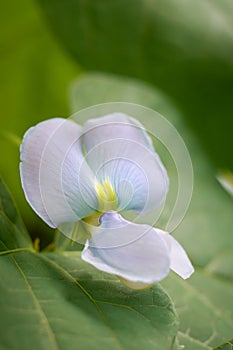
x: 226, y: 180
x: 13, y: 232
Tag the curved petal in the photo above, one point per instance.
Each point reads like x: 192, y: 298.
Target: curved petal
x: 114, y: 126
x: 52, y: 169
x: 180, y: 262
x: 134, y: 252
x: 120, y: 152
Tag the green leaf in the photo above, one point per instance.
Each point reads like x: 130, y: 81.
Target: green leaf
x: 204, y: 302
x: 204, y: 305
x: 14, y: 236
x: 227, y: 346
x: 184, y: 48
x: 52, y: 301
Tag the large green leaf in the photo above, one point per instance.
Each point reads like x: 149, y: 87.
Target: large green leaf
x: 52, y: 301
x: 183, y: 47
x: 204, y: 302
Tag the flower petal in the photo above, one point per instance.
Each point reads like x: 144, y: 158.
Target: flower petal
x: 120, y: 151
x: 57, y: 182
x: 135, y: 285
x: 133, y: 252
x: 114, y: 126
x: 180, y: 262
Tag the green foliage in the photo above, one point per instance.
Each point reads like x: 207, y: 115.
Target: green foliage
x: 12, y: 229
x: 204, y: 302
x: 35, y: 74
x: 54, y: 301
x: 184, y: 48
x: 227, y: 346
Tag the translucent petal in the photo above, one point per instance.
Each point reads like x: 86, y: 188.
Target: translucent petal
x: 120, y: 152
x: 57, y: 182
x: 144, y: 256
x: 180, y: 262
x: 135, y: 285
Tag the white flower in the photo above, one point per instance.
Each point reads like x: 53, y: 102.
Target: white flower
x: 70, y: 173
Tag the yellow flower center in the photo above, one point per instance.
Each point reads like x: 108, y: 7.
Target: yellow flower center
x: 106, y: 196
x: 107, y: 200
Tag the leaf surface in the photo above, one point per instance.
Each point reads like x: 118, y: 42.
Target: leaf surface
x: 56, y: 301
x: 204, y: 302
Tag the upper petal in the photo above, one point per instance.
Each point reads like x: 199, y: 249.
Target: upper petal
x: 57, y: 182
x: 119, y: 150
x: 134, y: 252
x: 180, y: 262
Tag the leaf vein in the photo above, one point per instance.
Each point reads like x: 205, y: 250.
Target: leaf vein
x: 89, y: 296
x: 43, y: 316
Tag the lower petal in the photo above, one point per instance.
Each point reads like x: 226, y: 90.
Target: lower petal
x: 136, y: 253
x: 180, y: 262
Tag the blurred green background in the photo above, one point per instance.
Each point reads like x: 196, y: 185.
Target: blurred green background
x: 175, y: 56
x: 183, y: 48
x: 35, y: 75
